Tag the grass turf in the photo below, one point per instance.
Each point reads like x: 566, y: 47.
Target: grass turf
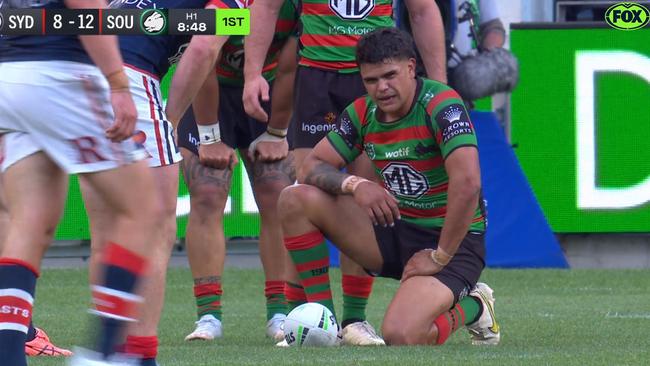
x: 547, y: 317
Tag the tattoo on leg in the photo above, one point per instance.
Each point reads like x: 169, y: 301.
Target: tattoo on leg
x: 282, y: 171
x: 207, y: 280
x: 197, y: 174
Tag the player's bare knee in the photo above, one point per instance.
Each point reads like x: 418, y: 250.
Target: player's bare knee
x: 267, y: 195
x: 292, y: 200
x: 397, y: 333
x: 208, y: 199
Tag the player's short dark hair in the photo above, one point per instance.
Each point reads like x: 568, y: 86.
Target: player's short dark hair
x: 385, y: 44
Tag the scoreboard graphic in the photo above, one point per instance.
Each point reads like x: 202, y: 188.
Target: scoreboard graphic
x: 152, y: 22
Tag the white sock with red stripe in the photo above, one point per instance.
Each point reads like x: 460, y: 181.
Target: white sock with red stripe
x: 115, y: 301
x: 17, y: 286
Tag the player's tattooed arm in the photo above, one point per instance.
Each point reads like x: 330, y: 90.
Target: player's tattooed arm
x: 326, y: 177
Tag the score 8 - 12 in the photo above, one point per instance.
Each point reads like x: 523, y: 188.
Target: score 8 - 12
x: 86, y: 23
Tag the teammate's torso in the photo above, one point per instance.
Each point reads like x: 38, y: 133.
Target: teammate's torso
x: 409, y: 154
x: 331, y: 29
x: 40, y: 48
x: 154, y: 54
x: 230, y: 67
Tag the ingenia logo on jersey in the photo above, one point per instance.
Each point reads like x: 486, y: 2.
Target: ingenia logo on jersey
x: 627, y: 16
x: 352, y: 9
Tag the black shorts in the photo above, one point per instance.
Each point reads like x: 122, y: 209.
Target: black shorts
x: 397, y: 244
x: 237, y: 129
x: 319, y: 97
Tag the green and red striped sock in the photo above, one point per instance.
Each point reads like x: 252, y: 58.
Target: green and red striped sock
x: 208, y: 299
x: 463, y: 313
x: 295, y: 295
x: 356, y: 290
x: 310, y: 255
x: 276, y: 302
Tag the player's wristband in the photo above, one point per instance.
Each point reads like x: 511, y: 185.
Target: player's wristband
x: 118, y: 81
x: 350, y: 184
x: 277, y: 132
x: 440, y: 257
x: 209, y: 134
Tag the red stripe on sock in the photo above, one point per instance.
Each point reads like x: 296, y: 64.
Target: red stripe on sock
x: 114, y: 305
x: 207, y: 289
x: 273, y: 288
x: 18, y: 262
x: 317, y: 280
x: 320, y: 263
x: 117, y: 255
x: 444, y: 328
x: 304, y: 241
x: 15, y: 310
x: 319, y: 296
x: 294, y: 294
x: 357, y: 286
x: 145, y: 347
x: 462, y: 314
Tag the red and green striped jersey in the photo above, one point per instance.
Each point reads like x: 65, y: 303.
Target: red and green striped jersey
x: 409, y: 153
x: 230, y: 68
x: 331, y: 29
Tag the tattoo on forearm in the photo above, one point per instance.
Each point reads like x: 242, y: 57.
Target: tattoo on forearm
x: 326, y: 177
x: 209, y: 280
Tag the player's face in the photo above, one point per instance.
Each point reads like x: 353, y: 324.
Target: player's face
x: 391, y: 84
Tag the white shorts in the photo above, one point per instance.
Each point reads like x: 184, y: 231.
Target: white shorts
x: 152, y: 129
x: 63, y: 109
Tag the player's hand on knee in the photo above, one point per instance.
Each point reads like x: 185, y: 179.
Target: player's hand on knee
x: 420, y: 264
x: 255, y: 89
x: 378, y: 202
x: 125, y: 116
x: 268, y: 148
x: 217, y: 156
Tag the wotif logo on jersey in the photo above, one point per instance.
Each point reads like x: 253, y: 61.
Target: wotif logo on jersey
x: 627, y: 16
x: 352, y: 9
x: 590, y: 194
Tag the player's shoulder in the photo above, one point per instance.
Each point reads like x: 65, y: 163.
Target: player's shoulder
x: 360, y: 108
x: 435, y: 94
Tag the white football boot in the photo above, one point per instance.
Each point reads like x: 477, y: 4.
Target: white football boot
x: 275, y: 327
x: 484, y: 331
x: 207, y: 329
x: 361, y: 334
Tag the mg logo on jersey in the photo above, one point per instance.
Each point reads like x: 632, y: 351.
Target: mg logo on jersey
x: 403, y: 180
x: 352, y: 9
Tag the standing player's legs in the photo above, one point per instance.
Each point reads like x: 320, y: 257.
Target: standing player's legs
x: 135, y: 212
x: 204, y: 237
x: 38, y: 342
x: 28, y: 184
x: 142, y: 337
x: 320, y: 97
x: 77, y: 94
x: 267, y: 180
x: 154, y: 133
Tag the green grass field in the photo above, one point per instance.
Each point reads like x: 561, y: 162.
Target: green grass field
x: 548, y: 317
